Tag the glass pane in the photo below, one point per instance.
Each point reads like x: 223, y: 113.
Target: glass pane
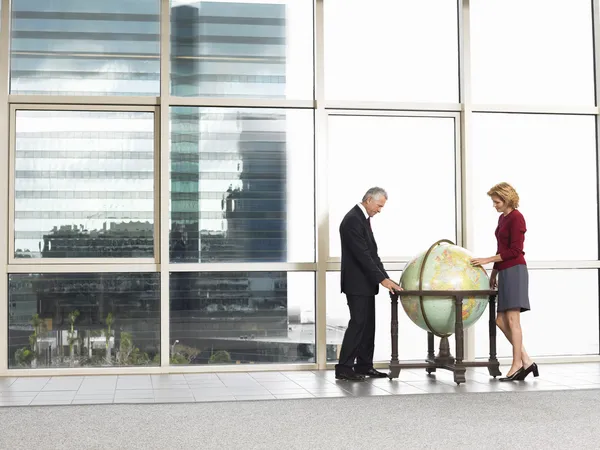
x: 392, y: 50
x: 242, y: 317
x: 563, y: 319
x: 83, y: 320
x: 242, y: 48
x: 413, y: 159
x: 412, y: 340
x: 70, y: 47
x: 547, y: 57
x: 84, y: 184
x: 242, y: 185
x: 550, y: 161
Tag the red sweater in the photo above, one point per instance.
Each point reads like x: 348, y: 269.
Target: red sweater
x: 510, y: 235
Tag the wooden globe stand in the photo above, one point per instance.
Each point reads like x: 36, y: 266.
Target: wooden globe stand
x: 444, y: 359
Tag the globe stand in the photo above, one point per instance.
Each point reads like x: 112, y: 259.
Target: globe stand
x: 444, y: 358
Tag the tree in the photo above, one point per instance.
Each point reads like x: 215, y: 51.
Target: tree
x: 71, y: 335
x: 220, y: 357
x: 108, y: 335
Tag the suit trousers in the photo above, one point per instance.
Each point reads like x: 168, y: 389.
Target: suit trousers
x: 359, y: 340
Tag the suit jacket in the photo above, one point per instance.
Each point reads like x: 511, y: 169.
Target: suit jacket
x: 362, y: 270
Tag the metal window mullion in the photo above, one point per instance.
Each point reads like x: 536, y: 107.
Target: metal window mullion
x: 4, y: 180
x: 596, y: 35
x: 42, y: 267
x: 381, y: 106
x: 83, y: 100
x: 390, y: 113
x: 321, y: 198
x: 224, y: 102
x: 465, y: 192
x: 164, y: 181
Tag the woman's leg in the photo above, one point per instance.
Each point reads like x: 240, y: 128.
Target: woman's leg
x: 503, y: 324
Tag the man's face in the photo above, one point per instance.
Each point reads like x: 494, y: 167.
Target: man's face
x: 374, y: 205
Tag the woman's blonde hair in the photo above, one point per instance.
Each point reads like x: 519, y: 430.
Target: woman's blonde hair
x: 506, y: 193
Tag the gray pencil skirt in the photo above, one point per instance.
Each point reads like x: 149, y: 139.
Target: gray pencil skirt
x: 513, y: 289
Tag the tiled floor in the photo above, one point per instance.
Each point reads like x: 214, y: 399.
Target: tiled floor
x: 273, y: 385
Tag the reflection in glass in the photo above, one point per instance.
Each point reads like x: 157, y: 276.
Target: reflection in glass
x: 241, y: 185
x: 563, y: 319
x: 84, y: 184
x: 533, y: 152
x: 84, y: 320
x: 412, y: 340
x: 419, y: 156
x: 242, y: 49
x: 242, y: 317
x: 71, y: 47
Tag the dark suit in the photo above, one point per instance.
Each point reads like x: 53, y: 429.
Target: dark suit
x: 362, y: 272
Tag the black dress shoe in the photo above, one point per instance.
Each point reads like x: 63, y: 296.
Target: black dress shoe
x: 374, y: 374
x: 349, y: 376
x: 532, y: 368
x: 514, y: 377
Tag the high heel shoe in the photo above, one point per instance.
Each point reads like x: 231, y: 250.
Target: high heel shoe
x: 533, y: 368
x: 514, y: 377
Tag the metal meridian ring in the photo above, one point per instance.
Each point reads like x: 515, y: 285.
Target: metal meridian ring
x: 421, y: 298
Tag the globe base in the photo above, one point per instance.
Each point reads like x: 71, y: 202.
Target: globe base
x: 444, y: 358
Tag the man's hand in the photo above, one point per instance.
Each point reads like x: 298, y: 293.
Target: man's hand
x: 390, y: 285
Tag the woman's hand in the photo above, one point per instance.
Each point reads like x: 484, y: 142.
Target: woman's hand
x: 494, y: 280
x: 481, y: 261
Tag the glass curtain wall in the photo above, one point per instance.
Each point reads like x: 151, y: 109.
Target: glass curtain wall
x: 176, y: 171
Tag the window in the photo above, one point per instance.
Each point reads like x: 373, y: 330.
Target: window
x: 412, y: 340
x: 563, y: 319
x: 72, y: 47
x: 83, y: 320
x: 550, y: 161
x: 242, y: 317
x: 398, y: 50
x: 532, y: 52
x: 242, y: 185
x: 84, y: 184
x: 413, y: 158
x: 242, y: 49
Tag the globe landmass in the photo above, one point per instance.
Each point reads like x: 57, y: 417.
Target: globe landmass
x: 447, y: 268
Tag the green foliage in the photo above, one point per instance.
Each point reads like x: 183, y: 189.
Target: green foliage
x: 128, y: 354
x: 182, y: 354
x: 220, y: 357
x: 24, y: 356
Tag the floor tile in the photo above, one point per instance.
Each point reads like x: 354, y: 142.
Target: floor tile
x: 227, y: 387
x: 173, y: 393
x: 255, y: 397
x: 293, y: 396
x: 133, y: 400
x: 130, y: 382
x: 18, y: 401
x: 223, y: 392
x: 63, y: 384
x: 229, y: 398
x: 6, y: 382
x: 134, y: 393
x: 28, y: 384
x: 281, y: 385
x: 288, y: 391
x: 15, y: 394
x: 98, y: 401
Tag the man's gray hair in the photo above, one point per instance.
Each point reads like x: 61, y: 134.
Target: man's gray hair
x: 375, y: 193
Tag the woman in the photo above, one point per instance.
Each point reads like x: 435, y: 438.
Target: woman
x: 510, y: 276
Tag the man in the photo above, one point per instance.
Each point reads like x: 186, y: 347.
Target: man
x: 362, y: 273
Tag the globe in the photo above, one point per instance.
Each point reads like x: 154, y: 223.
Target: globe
x: 447, y: 267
